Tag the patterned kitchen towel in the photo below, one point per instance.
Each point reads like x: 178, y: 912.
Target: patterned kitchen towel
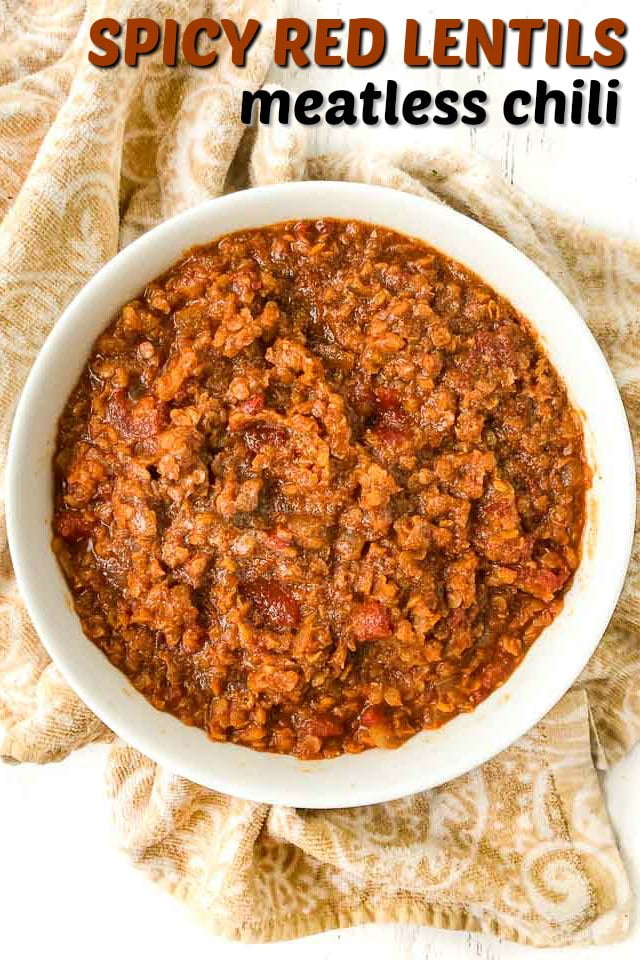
x: 522, y: 846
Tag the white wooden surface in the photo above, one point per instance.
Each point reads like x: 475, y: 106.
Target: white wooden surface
x: 63, y: 885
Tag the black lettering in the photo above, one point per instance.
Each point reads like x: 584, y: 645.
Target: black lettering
x: 265, y: 99
x: 343, y: 109
x: 391, y: 104
x: 415, y: 103
x: 593, y: 113
x: 509, y: 107
x: 445, y: 103
x: 611, y: 114
x: 305, y: 103
x: 475, y: 113
x: 369, y: 96
x: 577, y: 101
x: 543, y: 97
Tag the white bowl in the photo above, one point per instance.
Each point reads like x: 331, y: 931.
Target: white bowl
x: 429, y: 758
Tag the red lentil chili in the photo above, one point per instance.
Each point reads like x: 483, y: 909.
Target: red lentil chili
x: 318, y: 488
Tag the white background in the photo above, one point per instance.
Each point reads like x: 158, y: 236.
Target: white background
x: 63, y: 885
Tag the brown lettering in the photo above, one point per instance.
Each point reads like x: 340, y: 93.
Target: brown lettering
x: 411, y: 44
x: 442, y: 41
x: 111, y: 49
x: 525, y: 40
x: 287, y: 45
x: 170, y: 43
x: 574, y: 36
x: 355, y: 56
x: 552, y: 49
x: 616, y: 49
x: 240, y: 44
x: 478, y: 39
x: 139, y: 45
x: 325, y: 41
x: 190, y: 41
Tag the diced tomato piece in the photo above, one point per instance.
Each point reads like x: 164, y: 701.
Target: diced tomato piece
x: 254, y: 404
x: 277, y: 542
x: 323, y: 725
x: 374, y: 716
x: 260, y: 434
x: 540, y: 582
x: 148, y: 417
x: 391, y: 420
x: 136, y: 421
x: 387, y: 399
x: 379, y: 726
x: 274, y: 603
x: 391, y: 436
x: 118, y: 409
x: 372, y: 621
x: 73, y: 526
x: 364, y: 399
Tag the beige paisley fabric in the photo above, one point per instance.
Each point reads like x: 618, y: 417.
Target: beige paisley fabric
x: 521, y: 847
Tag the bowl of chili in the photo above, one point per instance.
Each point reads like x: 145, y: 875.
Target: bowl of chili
x: 315, y: 471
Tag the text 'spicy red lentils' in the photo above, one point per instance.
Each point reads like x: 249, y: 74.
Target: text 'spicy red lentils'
x: 318, y: 488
